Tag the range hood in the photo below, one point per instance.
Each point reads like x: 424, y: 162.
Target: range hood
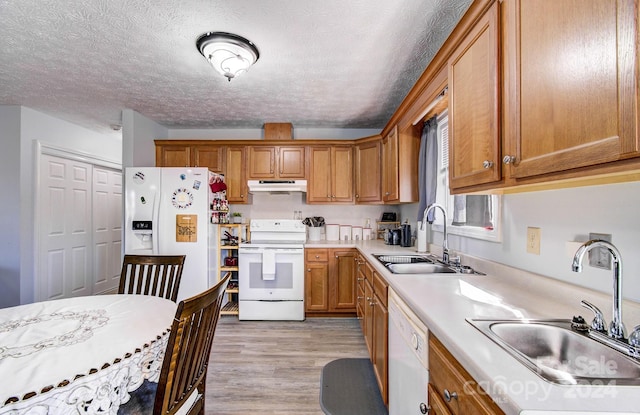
x: 277, y: 186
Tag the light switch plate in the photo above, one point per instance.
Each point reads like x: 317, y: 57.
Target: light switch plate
x: 600, y: 257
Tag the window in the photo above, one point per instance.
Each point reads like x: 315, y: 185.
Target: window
x: 474, y: 216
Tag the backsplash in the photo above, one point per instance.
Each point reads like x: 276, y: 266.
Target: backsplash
x: 282, y: 206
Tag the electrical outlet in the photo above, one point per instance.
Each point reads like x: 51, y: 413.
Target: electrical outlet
x: 600, y: 257
x: 533, y: 240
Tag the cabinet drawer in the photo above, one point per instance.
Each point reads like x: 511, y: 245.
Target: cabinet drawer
x: 380, y: 288
x: 316, y: 255
x: 452, y: 383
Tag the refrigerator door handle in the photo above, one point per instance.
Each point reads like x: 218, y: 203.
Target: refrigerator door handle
x: 156, y: 222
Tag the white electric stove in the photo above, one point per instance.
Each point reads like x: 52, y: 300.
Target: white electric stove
x: 271, y: 276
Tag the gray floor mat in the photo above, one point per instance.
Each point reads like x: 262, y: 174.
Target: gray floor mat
x: 349, y: 387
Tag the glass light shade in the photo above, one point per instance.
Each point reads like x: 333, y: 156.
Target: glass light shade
x: 229, y: 54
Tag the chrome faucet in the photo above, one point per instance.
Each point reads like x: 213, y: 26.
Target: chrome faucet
x: 445, y: 245
x: 616, y: 328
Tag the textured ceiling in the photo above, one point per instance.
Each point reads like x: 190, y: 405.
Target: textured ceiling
x: 327, y: 63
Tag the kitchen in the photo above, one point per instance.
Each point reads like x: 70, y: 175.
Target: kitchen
x: 563, y: 215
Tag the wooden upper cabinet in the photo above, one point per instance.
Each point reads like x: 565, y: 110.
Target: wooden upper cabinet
x: 209, y: 156
x: 571, y: 84
x: 173, y: 156
x: 474, y: 105
x: 235, y: 175
x: 262, y: 162
x: 368, y: 171
x: 274, y: 162
x: 390, y: 167
x: 291, y: 162
x: 331, y: 174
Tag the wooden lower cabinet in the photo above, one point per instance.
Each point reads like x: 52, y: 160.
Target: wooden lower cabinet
x: 452, y: 386
x: 330, y: 281
x: 436, y: 403
x: 380, y: 337
x: 374, y: 320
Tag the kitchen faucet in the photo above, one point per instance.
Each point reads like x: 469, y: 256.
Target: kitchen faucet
x: 616, y: 328
x: 445, y: 245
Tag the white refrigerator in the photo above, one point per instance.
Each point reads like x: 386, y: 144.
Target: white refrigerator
x: 167, y: 212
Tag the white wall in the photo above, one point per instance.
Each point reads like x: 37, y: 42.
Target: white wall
x: 564, y: 215
x: 10, y: 216
x: 138, y: 133
x: 258, y: 133
x: 22, y: 127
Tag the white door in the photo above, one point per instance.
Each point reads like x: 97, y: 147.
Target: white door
x: 107, y: 229
x: 64, y: 223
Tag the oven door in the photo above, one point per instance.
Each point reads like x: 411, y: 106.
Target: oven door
x: 280, y: 277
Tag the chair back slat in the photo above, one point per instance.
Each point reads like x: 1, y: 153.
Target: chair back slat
x: 157, y: 275
x: 184, y: 368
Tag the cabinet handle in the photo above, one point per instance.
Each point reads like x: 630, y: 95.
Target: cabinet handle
x: 487, y: 164
x: 424, y: 409
x: 509, y: 159
x: 308, y: 269
x: 450, y: 395
x: 317, y: 256
x: 360, y: 279
x: 357, y: 196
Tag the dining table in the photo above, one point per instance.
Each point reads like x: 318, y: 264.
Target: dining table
x: 81, y: 354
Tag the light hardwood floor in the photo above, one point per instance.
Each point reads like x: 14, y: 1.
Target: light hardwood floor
x: 273, y: 367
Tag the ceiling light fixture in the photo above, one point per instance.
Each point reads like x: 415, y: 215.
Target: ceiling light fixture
x: 229, y: 54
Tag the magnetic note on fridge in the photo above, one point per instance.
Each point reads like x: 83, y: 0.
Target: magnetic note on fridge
x: 186, y: 228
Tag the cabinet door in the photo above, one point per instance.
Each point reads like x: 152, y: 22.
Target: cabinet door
x: 380, y: 349
x: 447, y: 374
x: 319, y: 186
x: 390, y: 167
x: 570, y: 85
x: 368, y: 316
x: 291, y: 162
x: 235, y: 176
x: 474, y: 122
x: 262, y: 162
x: 208, y: 156
x: 316, y: 285
x: 343, y: 281
x: 342, y: 175
x: 436, y: 404
x: 368, y: 172
x: 173, y: 156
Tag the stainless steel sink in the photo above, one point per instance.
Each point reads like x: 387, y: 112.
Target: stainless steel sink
x: 404, y: 258
x: 560, y: 354
x: 420, y: 268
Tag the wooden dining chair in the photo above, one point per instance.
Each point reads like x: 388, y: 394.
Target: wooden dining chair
x: 183, y: 377
x: 157, y: 275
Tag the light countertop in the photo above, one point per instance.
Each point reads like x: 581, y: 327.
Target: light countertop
x: 444, y: 301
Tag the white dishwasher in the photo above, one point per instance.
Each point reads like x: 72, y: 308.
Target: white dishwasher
x: 408, y: 360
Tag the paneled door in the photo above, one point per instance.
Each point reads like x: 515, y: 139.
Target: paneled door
x: 65, y: 234
x: 79, y: 228
x: 107, y: 229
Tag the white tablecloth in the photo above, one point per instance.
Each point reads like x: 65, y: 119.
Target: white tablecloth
x: 80, y: 355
